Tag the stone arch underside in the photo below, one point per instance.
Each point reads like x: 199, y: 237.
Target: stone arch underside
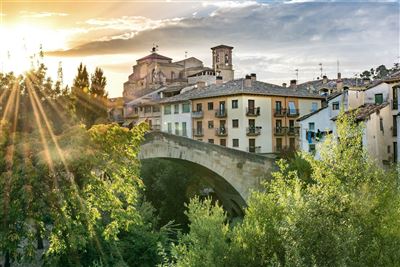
x: 242, y: 171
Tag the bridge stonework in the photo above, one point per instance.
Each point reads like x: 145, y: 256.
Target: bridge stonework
x: 242, y: 170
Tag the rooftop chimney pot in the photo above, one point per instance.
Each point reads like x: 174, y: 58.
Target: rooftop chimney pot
x: 253, y: 77
x: 284, y: 85
x: 247, y: 81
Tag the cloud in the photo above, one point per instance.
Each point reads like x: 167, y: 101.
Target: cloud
x: 297, y: 35
x: 29, y: 14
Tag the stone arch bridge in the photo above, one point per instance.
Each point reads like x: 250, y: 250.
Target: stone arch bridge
x: 232, y: 173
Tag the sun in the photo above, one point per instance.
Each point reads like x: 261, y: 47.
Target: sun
x: 21, y: 45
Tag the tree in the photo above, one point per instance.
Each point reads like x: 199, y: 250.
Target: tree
x: 90, y: 101
x: 98, y: 84
x: 207, y: 242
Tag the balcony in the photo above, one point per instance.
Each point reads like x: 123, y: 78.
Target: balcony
x: 254, y: 149
x: 197, y: 114
x: 221, y: 131
x: 279, y: 112
x: 293, y: 131
x: 220, y: 113
x: 279, y: 130
x: 253, y: 131
x: 253, y: 112
x: 292, y: 113
x: 198, y: 132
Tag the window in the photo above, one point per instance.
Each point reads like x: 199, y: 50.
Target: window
x: 378, y: 99
x: 394, y: 125
x: 169, y: 128
x: 235, y: 142
x: 211, y: 141
x: 210, y: 105
x: 147, y: 109
x: 235, y: 104
x: 156, y: 108
x: 335, y: 106
x: 176, y: 108
x: 278, y: 144
x: 210, y: 124
x: 292, y: 107
x: 184, y: 130
x: 235, y: 123
x: 251, y: 104
x: 185, y: 108
x: 252, y: 145
x: 311, y: 126
x: 176, y: 128
x: 278, y: 123
x: 292, y: 143
x: 222, y: 142
x: 136, y: 110
x: 167, y: 109
x: 291, y: 123
x: 199, y: 107
x: 278, y: 106
x: 395, y: 97
x: 314, y: 106
x: 252, y: 123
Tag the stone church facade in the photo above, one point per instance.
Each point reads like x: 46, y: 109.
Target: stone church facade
x: 155, y: 71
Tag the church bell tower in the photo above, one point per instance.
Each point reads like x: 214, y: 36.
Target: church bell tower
x: 222, y: 62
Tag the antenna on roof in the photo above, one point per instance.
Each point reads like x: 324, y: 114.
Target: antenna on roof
x: 186, y: 53
x: 320, y: 68
x: 337, y: 63
x: 297, y: 74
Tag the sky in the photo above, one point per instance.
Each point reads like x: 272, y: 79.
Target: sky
x: 270, y: 38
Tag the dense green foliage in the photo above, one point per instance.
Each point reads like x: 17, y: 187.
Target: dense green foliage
x: 346, y: 213
x: 380, y: 72
x: 69, y: 196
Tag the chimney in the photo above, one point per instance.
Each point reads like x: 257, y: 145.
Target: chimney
x: 339, y: 82
x: 293, y: 84
x: 218, y: 80
x: 366, y: 81
x: 324, y: 79
x: 284, y: 85
x: 253, y: 77
x: 200, y: 84
x: 247, y: 81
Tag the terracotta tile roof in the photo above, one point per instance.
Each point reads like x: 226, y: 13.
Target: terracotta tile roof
x: 362, y: 112
x: 221, y: 46
x: 237, y: 87
x: 154, y: 56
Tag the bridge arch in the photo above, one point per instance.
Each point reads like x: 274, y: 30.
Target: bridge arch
x: 243, y: 171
